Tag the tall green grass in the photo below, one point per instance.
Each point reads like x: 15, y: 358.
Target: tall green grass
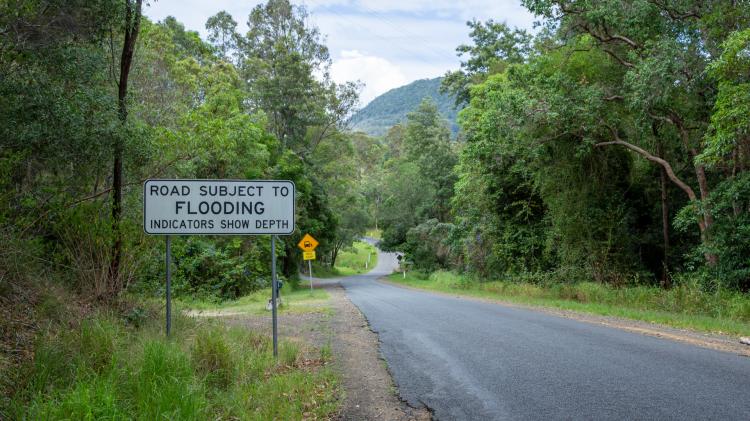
x: 108, y: 370
x: 299, y: 300
x: 685, y: 305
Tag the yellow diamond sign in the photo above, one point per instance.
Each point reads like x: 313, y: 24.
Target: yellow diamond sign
x: 308, y: 255
x: 307, y: 243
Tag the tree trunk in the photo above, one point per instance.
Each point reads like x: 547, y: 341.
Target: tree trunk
x: 700, y: 174
x: 665, y: 279
x: 132, y: 27
x: 290, y: 264
x: 335, y: 253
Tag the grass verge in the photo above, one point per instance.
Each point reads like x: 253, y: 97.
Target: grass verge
x: 301, y: 300
x: 116, y: 368
x: 374, y: 233
x: 351, y: 261
x: 683, y: 306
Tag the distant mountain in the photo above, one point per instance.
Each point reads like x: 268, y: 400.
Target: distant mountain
x: 391, y: 108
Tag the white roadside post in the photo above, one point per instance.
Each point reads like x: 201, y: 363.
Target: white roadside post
x: 402, y: 263
x: 219, y: 207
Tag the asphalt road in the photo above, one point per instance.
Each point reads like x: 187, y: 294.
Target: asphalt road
x: 469, y: 360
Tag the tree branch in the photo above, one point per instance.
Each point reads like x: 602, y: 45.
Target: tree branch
x: 618, y: 58
x: 673, y: 14
x: 653, y: 158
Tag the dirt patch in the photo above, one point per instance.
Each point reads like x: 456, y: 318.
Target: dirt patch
x: 368, y: 390
x: 311, y: 330
x: 713, y: 341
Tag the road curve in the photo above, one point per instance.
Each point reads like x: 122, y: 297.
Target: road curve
x: 470, y: 360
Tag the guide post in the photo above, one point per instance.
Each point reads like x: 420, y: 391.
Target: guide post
x: 219, y: 207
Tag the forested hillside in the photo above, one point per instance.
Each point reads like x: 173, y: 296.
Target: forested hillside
x: 392, y: 107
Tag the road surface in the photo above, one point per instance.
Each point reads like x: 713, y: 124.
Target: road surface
x: 469, y: 360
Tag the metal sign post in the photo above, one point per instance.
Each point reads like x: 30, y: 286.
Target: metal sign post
x: 274, y: 293
x: 309, y: 270
x: 169, y: 284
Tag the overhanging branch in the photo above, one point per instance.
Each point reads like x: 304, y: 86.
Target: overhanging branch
x: 653, y: 158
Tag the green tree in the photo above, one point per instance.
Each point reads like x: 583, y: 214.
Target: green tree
x: 339, y: 167
x: 495, y: 45
x: 663, y: 49
x: 286, y: 66
x: 427, y: 143
x: 222, y: 33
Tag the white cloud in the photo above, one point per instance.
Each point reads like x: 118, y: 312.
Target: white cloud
x: 396, y: 38
x: 378, y: 74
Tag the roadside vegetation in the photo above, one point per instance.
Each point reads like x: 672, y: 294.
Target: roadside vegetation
x: 375, y: 233
x: 683, y: 306
x: 121, y: 366
x: 360, y: 258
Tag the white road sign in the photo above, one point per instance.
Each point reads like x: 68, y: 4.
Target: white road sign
x: 218, y: 207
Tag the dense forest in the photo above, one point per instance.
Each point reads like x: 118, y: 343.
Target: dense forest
x: 91, y: 110
x: 611, y: 146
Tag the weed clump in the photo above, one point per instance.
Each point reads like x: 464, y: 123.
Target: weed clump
x: 213, y: 358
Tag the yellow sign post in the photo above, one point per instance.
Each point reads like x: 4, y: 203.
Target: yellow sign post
x: 308, y: 245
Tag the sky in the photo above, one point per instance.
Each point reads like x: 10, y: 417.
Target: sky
x: 382, y: 43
